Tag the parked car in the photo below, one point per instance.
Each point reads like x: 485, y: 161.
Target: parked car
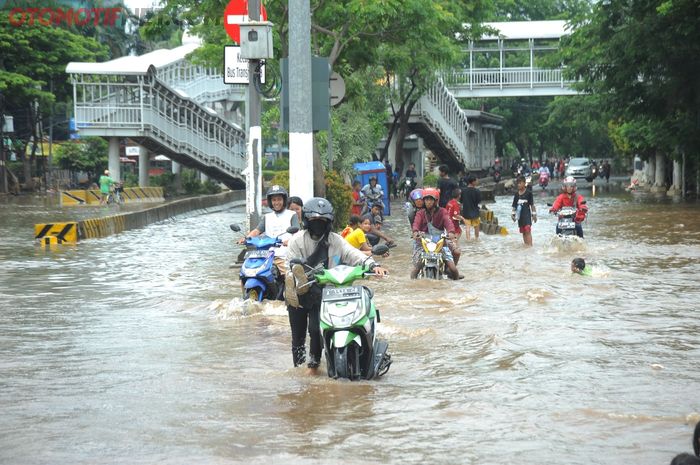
x: 579, y: 168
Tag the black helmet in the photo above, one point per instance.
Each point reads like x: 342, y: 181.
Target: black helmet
x: 277, y: 190
x: 317, y: 207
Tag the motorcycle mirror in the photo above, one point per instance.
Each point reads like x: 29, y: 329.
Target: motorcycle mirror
x: 380, y: 249
x: 235, y: 228
x: 292, y: 230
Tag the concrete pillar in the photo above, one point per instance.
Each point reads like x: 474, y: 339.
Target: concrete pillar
x: 143, y: 166
x: 660, y: 175
x: 677, y: 187
x: 113, y: 159
x: 649, y: 172
x: 203, y: 177
x: 177, y: 171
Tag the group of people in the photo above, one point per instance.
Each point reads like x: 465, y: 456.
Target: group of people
x: 431, y: 211
x: 315, y: 243
x: 525, y: 212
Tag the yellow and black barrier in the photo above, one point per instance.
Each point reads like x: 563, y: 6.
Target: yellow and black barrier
x: 489, y: 223
x: 56, y: 233
x: 74, y: 197
x: 60, y: 233
x: 129, y: 195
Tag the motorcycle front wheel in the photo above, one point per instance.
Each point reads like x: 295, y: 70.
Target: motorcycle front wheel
x: 430, y: 273
x: 254, y: 294
x: 347, y: 362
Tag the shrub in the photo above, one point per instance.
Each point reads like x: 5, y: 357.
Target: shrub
x: 430, y: 180
x: 340, y: 195
x: 281, y: 178
x: 166, y: 181
x: 281, y: 164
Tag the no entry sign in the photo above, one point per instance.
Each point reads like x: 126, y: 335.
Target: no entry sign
x: 235, y: 13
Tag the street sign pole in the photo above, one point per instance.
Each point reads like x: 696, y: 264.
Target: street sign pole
x: 301, y: 141
x: 254, y: 131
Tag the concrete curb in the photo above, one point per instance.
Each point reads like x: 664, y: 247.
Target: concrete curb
x: 114, y: 224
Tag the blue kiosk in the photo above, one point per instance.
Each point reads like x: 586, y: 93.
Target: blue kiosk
x: 374, y: 168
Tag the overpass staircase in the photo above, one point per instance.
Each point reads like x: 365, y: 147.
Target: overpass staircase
x: 165, y: 103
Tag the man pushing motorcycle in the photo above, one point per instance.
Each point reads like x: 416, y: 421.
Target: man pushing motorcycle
x: 434, y: 220
x: 315, y: 245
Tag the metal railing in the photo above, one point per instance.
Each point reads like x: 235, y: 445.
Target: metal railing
x: 489, y: 78
x: 442, y: 113
x: 149, y: 107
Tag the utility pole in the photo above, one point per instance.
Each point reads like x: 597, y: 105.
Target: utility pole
x: 301, y: 141
x: 254, y: 186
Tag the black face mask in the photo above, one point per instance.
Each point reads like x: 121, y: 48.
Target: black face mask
x: 317, y: 228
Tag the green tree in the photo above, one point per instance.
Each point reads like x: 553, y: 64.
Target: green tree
x: 33, y: 75
x: 643, y: 56
x: 88, y: 155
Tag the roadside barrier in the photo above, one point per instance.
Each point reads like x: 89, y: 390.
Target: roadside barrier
x: 71, y: 232
x: 56, y: 233
x: 489, y: 223
x: 129, y: 195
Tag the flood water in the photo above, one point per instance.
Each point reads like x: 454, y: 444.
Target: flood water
x: 136, y: 349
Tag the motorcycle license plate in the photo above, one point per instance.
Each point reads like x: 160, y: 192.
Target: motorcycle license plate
x: 567, y: 225
x: 258, y: 254
x: 341, y: 293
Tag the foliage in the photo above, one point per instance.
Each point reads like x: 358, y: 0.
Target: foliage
x: 430, y: 180
x: 339, y: 194
x: 88, y: 155
x: 131, y: 180
x: 281, y: 178
x: 281, y: 164
x: 644, y: 57
x: 192, y: 185
x: 166, y: 181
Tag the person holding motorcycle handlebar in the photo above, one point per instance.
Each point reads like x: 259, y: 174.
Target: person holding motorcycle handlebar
x: 433, y: 220
x: 570, y: 198
x: 315, y: 245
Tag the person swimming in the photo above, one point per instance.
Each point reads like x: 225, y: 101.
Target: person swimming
x: 578, y: 266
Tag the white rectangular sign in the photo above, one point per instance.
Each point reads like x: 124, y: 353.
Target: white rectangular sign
x: 132, y: 151
x: 236, y: 68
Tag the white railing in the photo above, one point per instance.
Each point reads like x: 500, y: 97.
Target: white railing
x: 151, y: 108
x: 441, y: 111
x: 481, y: 78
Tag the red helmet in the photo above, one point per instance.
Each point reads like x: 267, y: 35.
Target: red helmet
x: 431, y: 192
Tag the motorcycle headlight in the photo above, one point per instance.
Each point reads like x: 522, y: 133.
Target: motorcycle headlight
x: 252, y: 272
x: 432, y: 246
x: 343, y: 314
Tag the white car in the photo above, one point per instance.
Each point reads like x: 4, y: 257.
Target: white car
x: 579, y: 168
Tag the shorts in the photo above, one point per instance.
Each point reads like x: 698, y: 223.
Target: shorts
x: 526, y: 228
x: 472, y: 221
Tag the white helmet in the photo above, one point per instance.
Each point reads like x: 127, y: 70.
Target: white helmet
x: 569, y: 181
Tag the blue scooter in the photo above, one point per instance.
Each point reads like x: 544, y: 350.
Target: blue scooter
x: 259, y: 276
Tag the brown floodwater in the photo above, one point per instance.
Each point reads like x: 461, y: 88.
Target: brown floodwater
x: 136, y: 348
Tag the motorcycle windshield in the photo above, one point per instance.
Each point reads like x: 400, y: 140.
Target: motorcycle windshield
x: 261, y: 242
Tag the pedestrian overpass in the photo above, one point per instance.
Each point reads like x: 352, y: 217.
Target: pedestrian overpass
x: 516, y: 60
x: 173, y: 107
x: 167, y: 105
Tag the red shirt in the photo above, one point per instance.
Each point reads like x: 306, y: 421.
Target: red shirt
x: 453, y: 209
x: 566, y: 200
x: 356, y: 209
x: 439, y: 219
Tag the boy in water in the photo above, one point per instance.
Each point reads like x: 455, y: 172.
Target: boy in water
x: 524, y: 210
x: 578, y: 266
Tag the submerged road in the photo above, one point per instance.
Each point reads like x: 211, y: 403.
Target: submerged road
x: 137, y: 349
